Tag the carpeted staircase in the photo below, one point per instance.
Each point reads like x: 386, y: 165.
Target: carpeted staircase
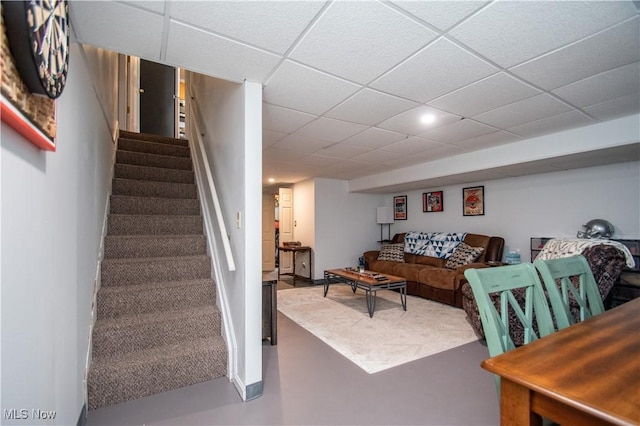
x: 158, y: 326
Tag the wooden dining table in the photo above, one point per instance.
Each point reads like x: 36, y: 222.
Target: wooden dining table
x: 585, y: 374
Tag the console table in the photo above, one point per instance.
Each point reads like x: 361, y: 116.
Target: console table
x: 295, y: 250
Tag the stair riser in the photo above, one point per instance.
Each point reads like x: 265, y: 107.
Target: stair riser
x: 126, y: 273
x: 128, y: 381
x: 153, y: 148
x: 121, y: 204
x: 142, y: 188
x: 129, y: 171
x: 152, y: 160
x: 154, y: 225
x: 121, y: 247
x: 136, y: 337
x: 134, y: 302
x: 153, y: 138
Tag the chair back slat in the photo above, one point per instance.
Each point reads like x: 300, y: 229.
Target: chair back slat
x: 496, y: 288
x: 556, y: 275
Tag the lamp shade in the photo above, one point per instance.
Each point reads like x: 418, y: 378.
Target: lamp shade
x: 384, y: 215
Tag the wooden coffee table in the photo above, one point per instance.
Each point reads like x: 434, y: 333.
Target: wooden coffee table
x: 368, y: 282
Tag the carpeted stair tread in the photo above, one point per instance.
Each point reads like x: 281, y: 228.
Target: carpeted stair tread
x: 154, y: 224
x: 137, y: 205
x: 153, y: 160
x: 121, y: 246
x: 153, y: 269
x: 135, y: 299
x: 152, y: 147
x: 157, y: 174
x: 158, y: 326
x: 132, y: 333
x: 155, y: 138
x: 135, y: 375
x: 143, y: 188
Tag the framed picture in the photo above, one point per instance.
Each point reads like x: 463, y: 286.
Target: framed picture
x: 432, y: 202
x: 400, y: 207
x: 473, y: 201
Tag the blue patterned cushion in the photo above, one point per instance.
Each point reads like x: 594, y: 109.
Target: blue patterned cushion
x: 434, y: 244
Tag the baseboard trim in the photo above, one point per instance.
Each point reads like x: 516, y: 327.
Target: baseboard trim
x: 82, y: 420
x: 254, y: 390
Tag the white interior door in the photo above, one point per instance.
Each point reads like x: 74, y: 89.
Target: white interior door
x: 286, y: 227
x: 268, y: 232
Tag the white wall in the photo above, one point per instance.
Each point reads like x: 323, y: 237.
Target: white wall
x: 53, y: 205
x: 231, y: 115
x: 345, y: 225
x: 544, y: 205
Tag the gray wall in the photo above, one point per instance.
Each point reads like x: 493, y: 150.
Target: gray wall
x: 53, y: 205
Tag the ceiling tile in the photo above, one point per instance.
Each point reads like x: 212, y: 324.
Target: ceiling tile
x: 228, y: 58
x: 412, y: 145
x: 409, y: 122
x: 373, y: 138
x: 439, y: 152
x: 298, y: 87
x: 284, y: 119
x: 434, y: 71
x: 613, y: 48
x: 441, y: 14
x: 276, y: 155
x: 330, y: 129
x: 269, y: 137
x: 458, y: 131
x: 370, y: 107
x: 523, y: 111
x: 91, y: 20
x: 378, y: 156
x: 482, y: 96
x: 615, y: 108
x: 272, y: 25
x: 530, y: 28
x: 603, y: 87
x: 151, y: 5
x: 555, y: 123
x: 341, y: 150
x: 360, y: 40
x: 302, y: 143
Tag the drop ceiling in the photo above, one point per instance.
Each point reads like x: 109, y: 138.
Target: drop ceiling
x: 345, y: 83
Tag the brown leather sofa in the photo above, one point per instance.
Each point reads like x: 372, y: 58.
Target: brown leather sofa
x: 428, y: 277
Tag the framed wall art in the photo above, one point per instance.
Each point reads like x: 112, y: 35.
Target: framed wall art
x: 473, y: 201
x: 400, y: 207
x: 432, y: 202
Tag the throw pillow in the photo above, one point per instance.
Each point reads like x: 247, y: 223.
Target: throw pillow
x: 463, y: 255
x: 392, y: 252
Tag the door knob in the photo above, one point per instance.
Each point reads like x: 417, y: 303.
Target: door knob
x: 141, y: 90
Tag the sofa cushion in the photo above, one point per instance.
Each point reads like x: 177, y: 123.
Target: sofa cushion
x: 408, y: 271
x: 441, y: 278
x: 392, y: 252
x: 463, y: 255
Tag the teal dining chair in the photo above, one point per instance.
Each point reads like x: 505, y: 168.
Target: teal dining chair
x: 518, y: 294
x: 585, y: 299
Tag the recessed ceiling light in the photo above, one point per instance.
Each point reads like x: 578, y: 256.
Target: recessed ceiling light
x: 428, y: 118
x: 271, y: 180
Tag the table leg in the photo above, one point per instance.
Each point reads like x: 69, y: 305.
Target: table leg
x: 371, y: 302
x: 293, y: 257
x: 403, y: 297
x: 326, y: 284
x: 515, y: 405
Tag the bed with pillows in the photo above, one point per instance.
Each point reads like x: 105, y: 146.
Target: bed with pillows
x: 433, y: 263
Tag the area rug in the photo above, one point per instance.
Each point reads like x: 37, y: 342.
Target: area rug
x: 391, y: 338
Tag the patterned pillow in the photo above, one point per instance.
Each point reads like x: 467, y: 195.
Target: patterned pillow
x: 463, y: 255
x: 392, y: 252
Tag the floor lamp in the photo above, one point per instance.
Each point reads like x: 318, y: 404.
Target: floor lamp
x: 384, y: 217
